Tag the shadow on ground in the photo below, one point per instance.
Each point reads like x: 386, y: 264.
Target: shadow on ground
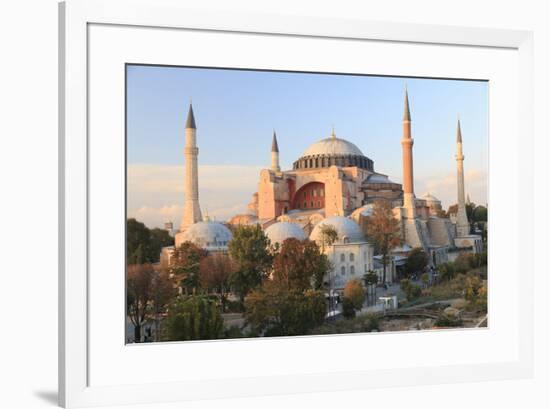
x: 47, y: 396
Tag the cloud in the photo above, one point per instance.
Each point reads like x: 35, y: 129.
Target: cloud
x: 156, y: 192
x: 445, y: 189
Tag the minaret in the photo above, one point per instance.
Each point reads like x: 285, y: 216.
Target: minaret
x: 275, y: 154
x: 407, y: 145
x: 462, y: 226
x: 191, y: 210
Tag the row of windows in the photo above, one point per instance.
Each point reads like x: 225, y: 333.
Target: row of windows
x: 312, y: 205
x: 351, y: 270
x: 351, y: 255
x: 338, y: 161
x: 315, y: 192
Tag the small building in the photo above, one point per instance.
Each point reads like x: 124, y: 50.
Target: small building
x: 351, y: 255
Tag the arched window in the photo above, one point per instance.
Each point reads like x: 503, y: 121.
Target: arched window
x: 352, y: 270
x: 351, y: 257
x: 342, y: 257
x: 345, y: 239
x: 343, y: 270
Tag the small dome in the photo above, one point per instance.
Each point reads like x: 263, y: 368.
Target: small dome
x: 365, y: 210
x: 428, y: 197
x: 332, y: 146
x: 280, y: 231
x: 208, y: 234
x: 348, y: 230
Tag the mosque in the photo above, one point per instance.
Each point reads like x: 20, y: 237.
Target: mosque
x: 334, y: 183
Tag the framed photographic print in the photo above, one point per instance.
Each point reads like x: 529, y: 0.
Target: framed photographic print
x: 262, y: 199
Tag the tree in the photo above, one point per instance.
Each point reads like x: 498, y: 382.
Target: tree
x: 215, y: 270
x: 192, y: 317
x: 417, y: 261
x: 139, y: 285
x: 384, y: 230
x: 272, y: 310
x: 371, y: 280
x: 158, y: 238
x: 185, y: 265
x: 355, y: 293
x: 249, y: 247
x: 480, y: 214
x: 329, y: 235
x: 137, y: 242
x: 162, y: 293
x: 298, y: 265
x: 144, y: 245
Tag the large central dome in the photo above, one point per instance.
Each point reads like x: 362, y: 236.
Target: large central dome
x: 332, y: 146
x: 333, y: 151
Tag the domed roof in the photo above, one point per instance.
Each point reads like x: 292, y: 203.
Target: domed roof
x: 348, y: 230
x: 365, y: 210
x: 332, y: 146
x: 430, y: 198
x: 280, y: 231
x: 208, y: 234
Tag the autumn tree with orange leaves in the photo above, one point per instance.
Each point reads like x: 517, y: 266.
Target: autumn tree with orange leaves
x: 383, y: 229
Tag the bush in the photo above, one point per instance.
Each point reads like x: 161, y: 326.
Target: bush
x: 274, y: 311
x: 411, y: 290
x: 348, y: 308
x: 355, y: 293
x: 417, y: 261
x: 192, y: 318
x: 446, y: 271
x: 448, y: 320
x: 363, y: 323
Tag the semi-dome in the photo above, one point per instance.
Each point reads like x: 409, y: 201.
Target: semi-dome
x: 348, y: 230
x: 280, y: 231
x: 333, y: 151
x: 210, y: 235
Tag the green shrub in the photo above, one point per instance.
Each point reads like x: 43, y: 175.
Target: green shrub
x: 348, y: 308
x: 192, y: 317
x: 446, y: 320
x: 274, y: 311
x: 411, y: 290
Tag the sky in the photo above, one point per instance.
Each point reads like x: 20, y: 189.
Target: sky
x: 236, y: 112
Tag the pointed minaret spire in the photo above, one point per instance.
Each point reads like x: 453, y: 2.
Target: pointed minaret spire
x: 191, y: 209
x: 462, y: 225
x: 407, y: 152
x: 190, y: 124
x: 275, y: 154
x: 274, y: 145
x: 407, y: 111
x: 333, y: 133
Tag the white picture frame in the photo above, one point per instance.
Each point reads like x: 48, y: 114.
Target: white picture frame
x: 76, y: 18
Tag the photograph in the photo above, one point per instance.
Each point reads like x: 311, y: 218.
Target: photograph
x: 264, y: 203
